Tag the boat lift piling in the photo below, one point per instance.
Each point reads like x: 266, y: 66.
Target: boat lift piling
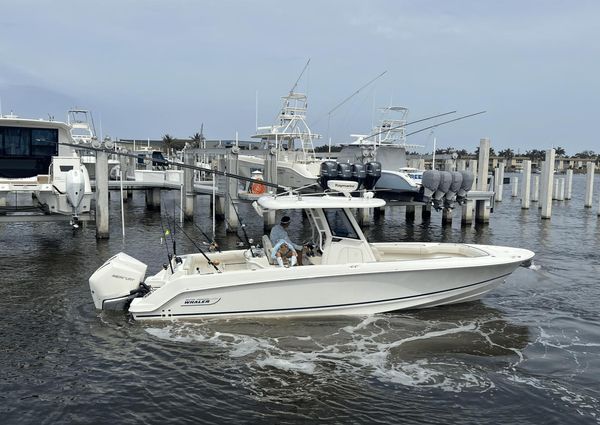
x: 547, y: 184
x: 535, y: 190
x: 188, y: 187
x: 482, y: 207
x: 525, y: 185
x: 270, y: 174
x: 499, y: 182
x: 569, y: 184
x: 232, y: 222
x: 514, y: 183
x: 102, y: 210
x: 589, y: 185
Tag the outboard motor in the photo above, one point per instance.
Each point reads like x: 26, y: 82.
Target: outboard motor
x: 117, y: 282
x: 328, y: 172
x: 344, y: 171
x: 359, y: 173
x: 429, y: 184
x: 373, y: 173
x: 467, y: 184
x: 450, y: 197
x: 444, y: 186
x: 75, y: 188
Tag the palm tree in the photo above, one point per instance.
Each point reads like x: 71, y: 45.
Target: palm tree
x: 506, y: 153
x: 560, y: 151
x: 197, y: 139
x: 168, y: 141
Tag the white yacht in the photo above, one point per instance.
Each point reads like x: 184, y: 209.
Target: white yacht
x: 342, y: 273
x: 291, y: 141
x: 83, y: 132
x: 33, y: 160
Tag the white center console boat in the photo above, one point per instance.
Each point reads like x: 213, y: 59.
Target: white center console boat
x: 343, y: 274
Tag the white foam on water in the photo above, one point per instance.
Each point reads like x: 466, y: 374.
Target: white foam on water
x: 361, y: 349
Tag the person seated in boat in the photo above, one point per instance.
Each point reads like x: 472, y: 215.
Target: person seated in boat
x: 284, y: 253
x: 279, y: 232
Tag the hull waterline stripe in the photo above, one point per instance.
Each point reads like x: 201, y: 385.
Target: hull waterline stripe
x: 319, y: 307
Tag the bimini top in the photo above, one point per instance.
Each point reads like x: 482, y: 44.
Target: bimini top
x: 290, y: 202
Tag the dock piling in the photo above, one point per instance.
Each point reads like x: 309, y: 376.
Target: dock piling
x: 482, y: 208
x: 525, y: 185
x: 569, y: 184
x: 547, y: 184
x: 102, y: 210
x: 589, y: 185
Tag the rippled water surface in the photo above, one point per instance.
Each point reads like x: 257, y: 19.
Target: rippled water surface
x: 529, y: 352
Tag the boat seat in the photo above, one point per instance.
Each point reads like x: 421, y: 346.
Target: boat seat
x: 268, y: 247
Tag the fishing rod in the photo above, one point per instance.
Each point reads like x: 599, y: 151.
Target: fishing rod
x: 408, y: 123
x: 243, y: 226
x: 446, y: 122
x: 178, y: 164
x: 212, y: 242
x: 197, y: 247
x: 166, y: 245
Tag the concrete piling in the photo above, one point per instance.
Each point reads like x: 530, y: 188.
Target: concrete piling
x: 188, y: 187
x: 467, y: 212
x: 589, y: 185
x: 525, y: 184
x: 482, y: 208
x: 514, y: 183
x: 548, y: 180
x: 569, y: 184
x: 102, y: 211
x: 535, y: 189
x: 447, y: 216
x: 499, y: 181
x: 410, y: 213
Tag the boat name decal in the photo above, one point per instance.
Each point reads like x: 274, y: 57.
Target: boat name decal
x: 116, y: 276
x: 200, y: 301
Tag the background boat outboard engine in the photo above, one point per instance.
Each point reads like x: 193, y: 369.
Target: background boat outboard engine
x: 373, y: 173
x: 359, y: 173
x: 450, y: 197
x: 75, y: 188
x: 429, y: 184
x: 344, y: 171
x: 117, y: 282
x: 467, y: 184
x: 444, y: 186
x: 328, y: 172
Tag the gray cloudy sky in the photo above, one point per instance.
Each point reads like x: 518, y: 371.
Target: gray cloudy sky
x: 146, y: 68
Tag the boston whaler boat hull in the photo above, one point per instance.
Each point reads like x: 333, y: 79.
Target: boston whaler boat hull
x: 349, y: 289
x: 342, y: 273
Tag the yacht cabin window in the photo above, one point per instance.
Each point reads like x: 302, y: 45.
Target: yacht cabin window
x: 23, y: 141
x: 339, y: 223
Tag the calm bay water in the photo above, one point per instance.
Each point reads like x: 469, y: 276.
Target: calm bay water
x: 529, y: 352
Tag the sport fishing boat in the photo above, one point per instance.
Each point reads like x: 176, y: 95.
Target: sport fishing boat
x: 291, y: 142
x: 342, y: 272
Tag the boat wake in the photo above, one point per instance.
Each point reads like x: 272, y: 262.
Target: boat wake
x: 376, y: 350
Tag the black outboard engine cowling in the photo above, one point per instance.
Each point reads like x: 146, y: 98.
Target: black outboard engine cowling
x: 344, y: 171
x: 373, y: 174
x: 359, y: 173
x: 329, y: 171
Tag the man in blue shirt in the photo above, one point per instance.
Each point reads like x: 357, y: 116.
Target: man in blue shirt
x: 279, y: 232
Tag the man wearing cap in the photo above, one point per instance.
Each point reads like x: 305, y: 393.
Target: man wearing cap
x: 279, y: 232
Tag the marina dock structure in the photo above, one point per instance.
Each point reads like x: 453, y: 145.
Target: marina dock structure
x: 214, y: 170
